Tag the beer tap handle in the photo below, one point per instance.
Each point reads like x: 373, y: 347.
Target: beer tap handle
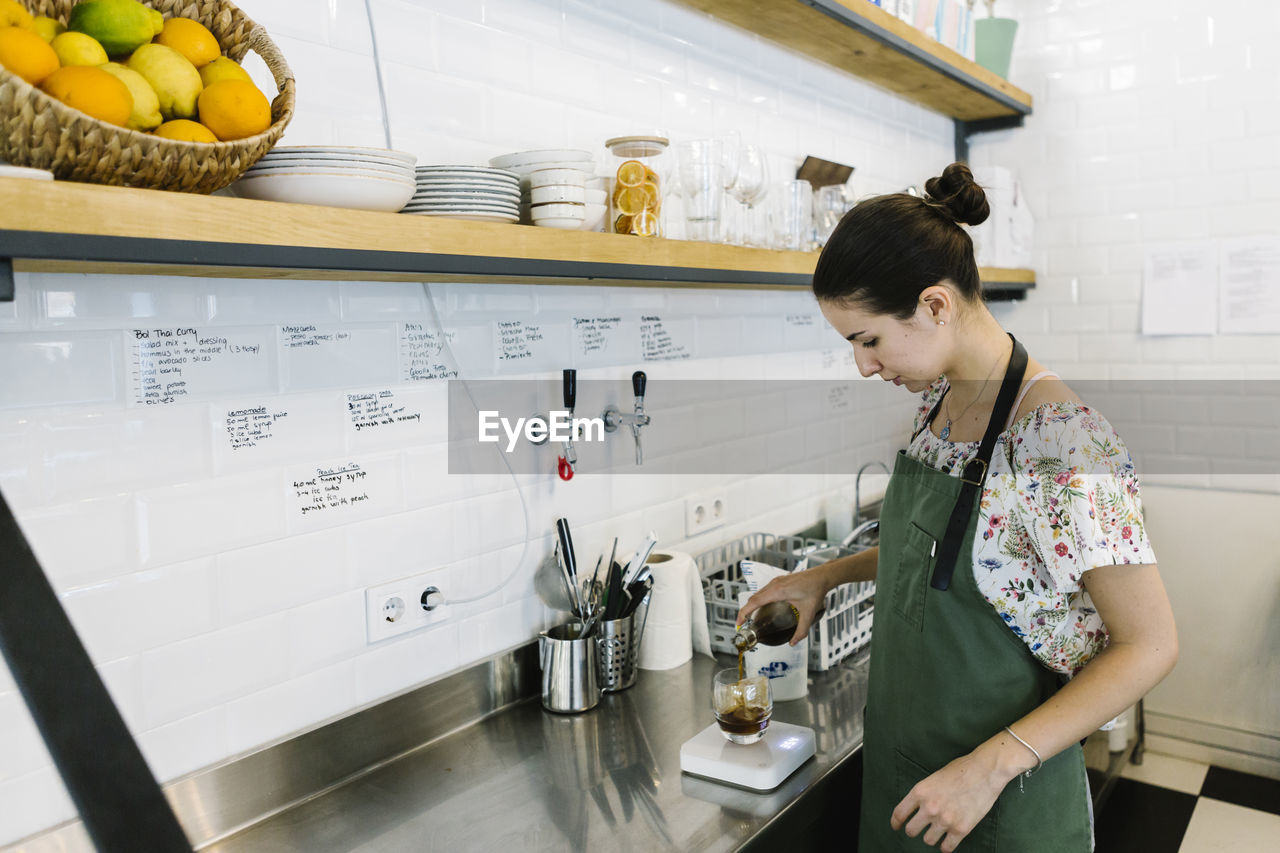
x: 570, y: 388
x: 638, y: 380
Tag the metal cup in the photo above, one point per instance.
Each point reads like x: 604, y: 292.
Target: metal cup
x: 569, y: 682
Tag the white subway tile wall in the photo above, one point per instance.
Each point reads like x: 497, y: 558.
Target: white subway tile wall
x: 208, y: 512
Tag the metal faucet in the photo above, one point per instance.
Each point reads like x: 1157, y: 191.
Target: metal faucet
x: 614, y: 417
x: 857, y: 488
x: 570, y: 456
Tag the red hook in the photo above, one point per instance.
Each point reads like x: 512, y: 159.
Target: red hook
x: 566, y: 470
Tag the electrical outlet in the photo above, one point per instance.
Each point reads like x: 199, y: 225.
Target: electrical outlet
x: 401, y: 606
x: 704, y: 512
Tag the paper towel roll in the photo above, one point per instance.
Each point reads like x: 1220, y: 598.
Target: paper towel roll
x: 677, y: 622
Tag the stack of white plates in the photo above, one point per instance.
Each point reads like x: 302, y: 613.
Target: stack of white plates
x: 467, y: 192
x: 524, y: 163
x: 335, y: 175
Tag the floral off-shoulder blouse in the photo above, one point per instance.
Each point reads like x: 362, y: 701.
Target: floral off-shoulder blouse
x: 1061, y: 498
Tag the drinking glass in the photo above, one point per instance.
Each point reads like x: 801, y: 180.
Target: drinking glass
x: 829, y: 205
x: 701, y: 166
x: 793, y: 216
x: 749, y: 187
x: 742, y: 706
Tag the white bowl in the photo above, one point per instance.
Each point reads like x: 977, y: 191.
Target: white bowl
x: 562, y: 222
x: 594, y: 196
x: 357, y: 191
x: 594, y: 216
x: 567, y: 210
x: 551, y: 177
x: 557, y: 192
x: 543, y: 155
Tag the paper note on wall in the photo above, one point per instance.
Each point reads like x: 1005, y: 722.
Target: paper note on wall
x: 1180, y: 289
x: 1250, y: 290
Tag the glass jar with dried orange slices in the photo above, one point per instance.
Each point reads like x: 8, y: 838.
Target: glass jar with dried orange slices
x: 639, y: 170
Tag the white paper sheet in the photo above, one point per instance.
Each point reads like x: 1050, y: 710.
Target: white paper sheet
x: 1249, y: 295
x: 1180, y: 289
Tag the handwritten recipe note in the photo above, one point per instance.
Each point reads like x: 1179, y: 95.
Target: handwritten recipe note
x: 167, y: 364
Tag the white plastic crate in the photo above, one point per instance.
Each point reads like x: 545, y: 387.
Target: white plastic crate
x: 845, y: 626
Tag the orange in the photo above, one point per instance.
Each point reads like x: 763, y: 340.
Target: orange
x: 652, y: 200
x: 646, y: 224
x: 12, y: 13
x: 92, y: 91
x: 185, y: 130
x: 631, y: 200
x: 631, y: 173
x: 190, y: 38
x: 26, y: 54
x: 650, y: 176
x: 622, y: 225
x: 234, y: 109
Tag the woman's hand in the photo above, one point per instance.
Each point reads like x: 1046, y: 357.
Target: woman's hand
x: 950, y: 802
x: 806, y: 590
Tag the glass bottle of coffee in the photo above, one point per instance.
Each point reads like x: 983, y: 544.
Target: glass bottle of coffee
x: 773, y: 624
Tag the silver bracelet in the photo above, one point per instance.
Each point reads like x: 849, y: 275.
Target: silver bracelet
x: 1039, y: 760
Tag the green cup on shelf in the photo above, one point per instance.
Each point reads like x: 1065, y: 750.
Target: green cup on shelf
x: 993, y: 43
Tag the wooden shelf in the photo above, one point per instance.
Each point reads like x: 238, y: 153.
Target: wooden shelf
x: 71, y: 227
x: 865, y: 40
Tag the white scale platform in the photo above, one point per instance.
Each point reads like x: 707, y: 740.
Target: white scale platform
x: 760, y: 766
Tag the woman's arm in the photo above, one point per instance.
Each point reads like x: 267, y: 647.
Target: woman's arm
x: 807, y: 589
x: 1143, y: 648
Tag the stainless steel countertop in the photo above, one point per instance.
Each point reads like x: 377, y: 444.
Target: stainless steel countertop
x: 608, y: 779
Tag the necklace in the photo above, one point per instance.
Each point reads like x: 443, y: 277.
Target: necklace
x: 945, y: 434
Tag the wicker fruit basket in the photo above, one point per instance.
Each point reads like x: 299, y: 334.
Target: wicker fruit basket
x: 39, y: 131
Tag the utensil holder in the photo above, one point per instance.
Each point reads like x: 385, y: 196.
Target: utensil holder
x: 619, y: 648
x: 569, y: 662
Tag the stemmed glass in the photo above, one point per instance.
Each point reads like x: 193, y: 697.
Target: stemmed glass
x: 750, y: 186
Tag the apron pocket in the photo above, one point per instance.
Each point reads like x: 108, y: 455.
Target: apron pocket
x: 911, y: 578
x: 983, y: 838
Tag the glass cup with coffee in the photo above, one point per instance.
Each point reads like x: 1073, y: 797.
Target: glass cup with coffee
x: 742, y: 705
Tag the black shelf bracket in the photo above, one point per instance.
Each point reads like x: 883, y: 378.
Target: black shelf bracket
x: 966, y: 129
x: 6, y: 280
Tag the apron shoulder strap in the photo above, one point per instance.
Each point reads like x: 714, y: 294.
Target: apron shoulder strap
x: 975, y: 471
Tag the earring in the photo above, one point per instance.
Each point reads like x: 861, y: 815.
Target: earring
x: 942, y: 322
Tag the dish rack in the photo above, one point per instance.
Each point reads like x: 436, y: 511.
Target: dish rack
x: 845, y: 626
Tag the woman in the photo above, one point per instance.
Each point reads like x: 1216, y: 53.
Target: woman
x: 1012, y: 552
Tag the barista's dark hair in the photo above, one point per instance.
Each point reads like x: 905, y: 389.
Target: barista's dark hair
x: 888, y: 249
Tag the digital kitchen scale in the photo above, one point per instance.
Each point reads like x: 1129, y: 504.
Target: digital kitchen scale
x: 760, y: 766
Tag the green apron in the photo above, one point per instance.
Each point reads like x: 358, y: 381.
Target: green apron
x: 947, y: 674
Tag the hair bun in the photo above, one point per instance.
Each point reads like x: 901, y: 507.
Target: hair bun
x: 956, y: 194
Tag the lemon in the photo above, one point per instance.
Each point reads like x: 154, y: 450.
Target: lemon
x: 92, y: 91
x: 26, y: 54
x: 234, y: 109
x: 120, y: 26
x: 146, y: 104
x: 185, y: 131
x: 157, y: 21
x: 223, y: 68
x: 175, y: 79
x: 13, y: 14
x: 190, y: 38
x: 631, y: 173
x: 78, y: 49
x: 48, y: 28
